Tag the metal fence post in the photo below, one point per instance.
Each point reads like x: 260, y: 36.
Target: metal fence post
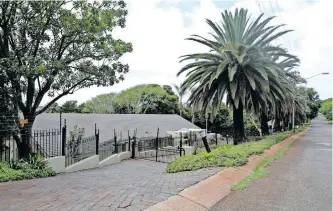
x: 63, y: 139
x: 133, y: 147
x: 216, y: 138
x: 97, y: 141
x: 181, y: 144
x: 156, y: 144
x: 129, y: 141
x: 115, y: 141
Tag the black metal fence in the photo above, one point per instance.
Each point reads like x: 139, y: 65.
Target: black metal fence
x: 44, y: 142
x: 114, y: 146
x: 8, y: 149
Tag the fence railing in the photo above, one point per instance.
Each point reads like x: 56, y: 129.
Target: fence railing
x: 43, y: 142
x: 145, y: 144
x: 8, y: 149
x: 78, y: 149
x: 48, y: 141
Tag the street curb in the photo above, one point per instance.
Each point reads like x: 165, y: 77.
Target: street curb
x: 208, y: 192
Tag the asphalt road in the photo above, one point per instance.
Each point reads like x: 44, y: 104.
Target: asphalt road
x: 301, y: 180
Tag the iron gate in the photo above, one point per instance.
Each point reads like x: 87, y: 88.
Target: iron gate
x: 157, y: 149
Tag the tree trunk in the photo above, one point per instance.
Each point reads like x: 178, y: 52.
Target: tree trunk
x: 264, y: 124
x: 24, y: 144
x: 277, y: 124
x: 204, y: 140
x: 290, y: 124
x: 193, y: 118
x: 238, y: 118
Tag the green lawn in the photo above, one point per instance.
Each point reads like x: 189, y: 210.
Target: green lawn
x: 227, y: 155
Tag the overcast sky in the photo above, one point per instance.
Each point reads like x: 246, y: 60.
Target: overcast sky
x: 157, y: 30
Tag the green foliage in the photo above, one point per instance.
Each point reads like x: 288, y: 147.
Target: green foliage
x: 226, y: 155
x: 146, y: 99
x: 57, y: 48
x: 69, y: 107
x: 326, y: 108
x: 101, y: 104
x: 313, y: 103
x: 243, y: 64
x: 35, y: 167
x: 221, y: 122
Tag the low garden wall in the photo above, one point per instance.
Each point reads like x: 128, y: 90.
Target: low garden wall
x: 59, y: 166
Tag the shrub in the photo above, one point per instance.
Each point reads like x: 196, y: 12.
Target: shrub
x: 227, y: 155
x: 35, y: 167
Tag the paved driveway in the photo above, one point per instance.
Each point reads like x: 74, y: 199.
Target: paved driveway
x: 129, y: 185
x: 301, y: 180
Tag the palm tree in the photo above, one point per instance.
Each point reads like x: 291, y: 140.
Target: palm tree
x: 240, y: 65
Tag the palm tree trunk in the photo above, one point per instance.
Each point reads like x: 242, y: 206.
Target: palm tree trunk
x: 238, y: 117
x: 264, y: 124
x: 277, y: 124
x: 290, y: 125
x: 192, y: 111
x: 204, y: 140
x: 180, y: 106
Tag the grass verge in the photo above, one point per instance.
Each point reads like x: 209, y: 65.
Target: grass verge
x: 259, y: 171
x: 227, y: 155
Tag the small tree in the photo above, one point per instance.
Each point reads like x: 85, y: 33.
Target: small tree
x: 75, y: 135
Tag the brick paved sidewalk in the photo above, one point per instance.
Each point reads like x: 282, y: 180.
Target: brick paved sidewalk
x: 129, y: 185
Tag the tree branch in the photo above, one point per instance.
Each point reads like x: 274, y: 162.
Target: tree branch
x: 68, y: 91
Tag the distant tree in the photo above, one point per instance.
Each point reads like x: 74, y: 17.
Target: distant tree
x: 101, y: 104
x: 81, y: 108
x: 56, y: 48
x: 70, y: 107
x: 146, y: 99
x: 54, y: 108
x: 326, y: 108
x: 219, y: 123
x: 180, y: 93
x: 313, y: 103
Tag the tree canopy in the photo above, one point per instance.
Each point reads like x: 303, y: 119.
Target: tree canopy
x: 147, y: 99
x: 243, y: 64
x: 58, y: 47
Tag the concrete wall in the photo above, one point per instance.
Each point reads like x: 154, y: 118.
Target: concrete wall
x: 124, y: 155
x: 188, y: 150
x: 57, y: 164
x: 110, y: 160
x: 116, y: 158
x: 88, y: 163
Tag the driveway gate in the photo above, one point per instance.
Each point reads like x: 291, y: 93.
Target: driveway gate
x: 157, y: 149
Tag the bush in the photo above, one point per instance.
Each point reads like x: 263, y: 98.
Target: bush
x: 227, y: 155
x: 326, y: 108
x: 35, y: 167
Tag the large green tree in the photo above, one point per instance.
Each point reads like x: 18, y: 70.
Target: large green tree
x: 55, y: 48
x: 101, y: 104
x: 326, y: 108
x: 146, y: 99
x: 241, y: 64
x: 313, y: 102
x: 70, y: 106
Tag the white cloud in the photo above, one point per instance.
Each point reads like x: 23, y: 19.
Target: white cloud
x: 158, y: 36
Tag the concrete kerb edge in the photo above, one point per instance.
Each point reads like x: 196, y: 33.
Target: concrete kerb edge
x: 192, y: 191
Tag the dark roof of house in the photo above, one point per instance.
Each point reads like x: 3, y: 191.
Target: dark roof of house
x: 146, y: 124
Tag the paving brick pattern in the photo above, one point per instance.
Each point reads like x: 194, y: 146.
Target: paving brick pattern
x: 130, y: 185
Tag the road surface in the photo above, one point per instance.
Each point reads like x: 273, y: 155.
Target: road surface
x: 301, y: 180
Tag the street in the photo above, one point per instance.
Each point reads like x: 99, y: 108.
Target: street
x: 301, y: 180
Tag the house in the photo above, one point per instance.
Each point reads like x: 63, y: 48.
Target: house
x: 146, y: 125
